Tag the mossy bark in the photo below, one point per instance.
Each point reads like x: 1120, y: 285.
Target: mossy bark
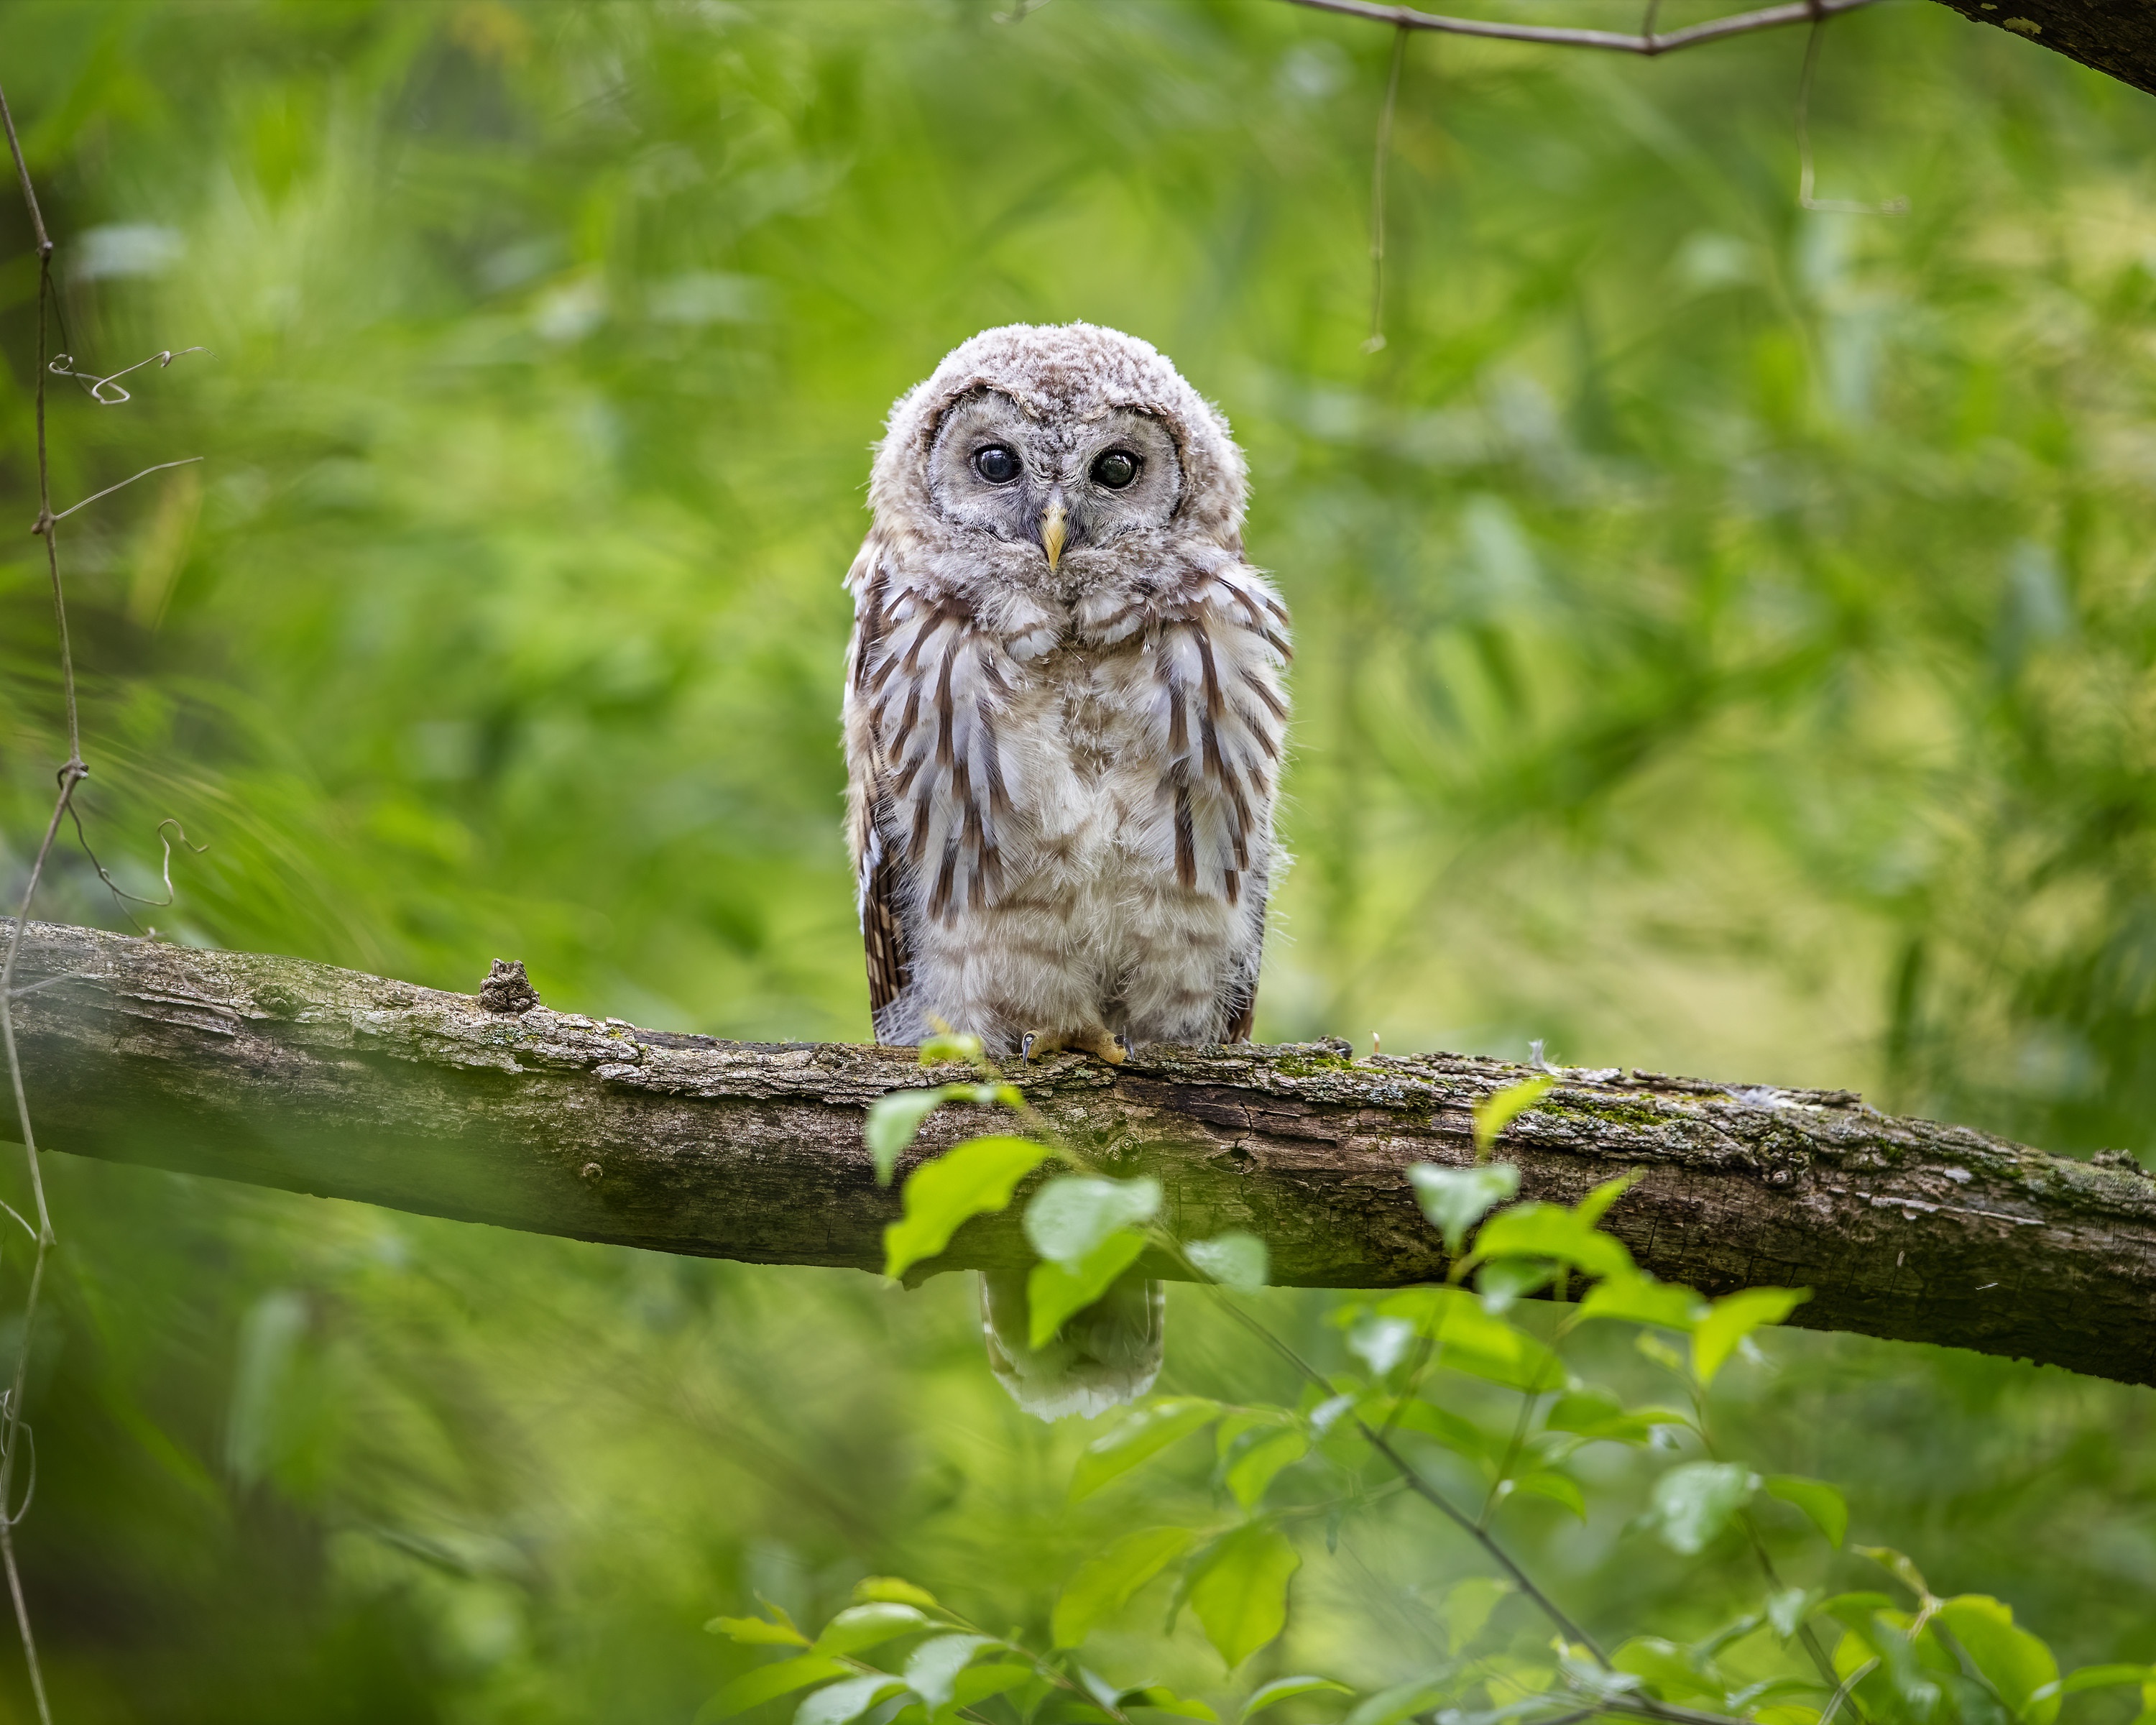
x: 284, y: 1073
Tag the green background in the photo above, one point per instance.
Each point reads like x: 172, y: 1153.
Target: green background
x: 1724, y: 636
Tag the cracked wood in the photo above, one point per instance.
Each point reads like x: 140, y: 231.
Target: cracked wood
x: 284, y: 1073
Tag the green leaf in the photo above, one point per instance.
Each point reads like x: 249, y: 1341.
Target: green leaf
x: 1105, y: 1583
x: 1639, y: 1299
x: 1161, y: 1699
x: 1239, y: 1590
x: 861, y: 1626
x: 1469, y: 1340
x: 1731, y: 1319
x: 1403, y: 1700
x: 841, y: 1703
x: 1666, y: 1669
x: 975, y: 1176
x: 756, y: 1631
x: 1825, y: 1506
x: 890, y: 1590
x: 1381, y: 1343
x: 1254, y: 1470
x: 1549, y: 1230
x: 1456, y: 1198
x: 2015, y: 1663
x: 932, y: 1670
x: 1071, y: 1217
x: 1467, y: 1606
x: 1053, y: 1293
x: 1786, y: 1610
x: 2105, y: 1676
x: 977, y: 1683
x: 1141, y: 1434
x: 1287, y: 1688
x: 1897, y: 1564
x: 1458, y: 1433
x: 767, y: 1682
x: 945, y: 1046
x: 1593, y: 1208
x: 1494, y: 1113
x: 1558, y: 1488
x: 893, y: 1121
x: 1596, y: 1413
x: 1504, y: 1283
x: 1693, y: 1503
x: 1234, y: 1260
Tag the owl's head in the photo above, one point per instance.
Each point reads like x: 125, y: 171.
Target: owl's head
x: 1060, y: 453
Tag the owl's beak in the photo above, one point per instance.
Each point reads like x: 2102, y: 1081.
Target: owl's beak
x: 1054, y: 523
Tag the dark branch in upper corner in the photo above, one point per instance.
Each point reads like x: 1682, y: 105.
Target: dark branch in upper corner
x: 500, y: 1109
x: 1649, y: 42
x: 2115, y: 37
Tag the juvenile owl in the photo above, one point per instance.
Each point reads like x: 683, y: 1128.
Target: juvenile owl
x: 1064, y: 724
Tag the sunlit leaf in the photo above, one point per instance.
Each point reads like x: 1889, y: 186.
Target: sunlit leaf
x: 944, y: 1047
x: 968, y: 1179
x: 1106, y: 1582
x: 861, y: 1626
x: 767, y: 1682
x: 1468, y: 1339
x: 1826, y: 1508
x: 1403, y: 1700
x: 2015, y: 1663
x: 1595, y: 1413
x: 1234, y: 1260
x: 1068, y: 1219
x: 2105, y: 1676
x: 890, y: 1590
x: 1506, y: 1282
x: 842, y: 1703
x: 1456, y: 1198
x: 1054, y: 1293
x: 1381, y: 1343
x: 1549, y: 1230
x: 1140, y: 1435
x: 1693, y: 1503
x: 977, y: 1682
x: 1638, y: 1298
x: 1467, y: 1606
x: 1494, y: 1113
x: 893, y: 1121
x: 1253, y: 1471
x: 1239, y: 1590
x: 1287, y: 1688
x: 1593, y: 1208
x: 933, y: 1668
x: 1664, y: 1668
x: 1558, y: 1488
x: 756, y: 1631
x: 1734, y: 1317
x: 1157, y: 1698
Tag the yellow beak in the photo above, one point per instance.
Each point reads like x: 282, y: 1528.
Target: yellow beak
x: 1052, y: 531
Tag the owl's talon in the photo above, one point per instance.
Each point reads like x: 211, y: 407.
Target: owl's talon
x: 1038, y: 1046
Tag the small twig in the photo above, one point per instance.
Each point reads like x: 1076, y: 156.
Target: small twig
x: 1891, y: 206
x: 63, y: 364
x: 1385, y: 149
x: 1406, y: 17
x: 44, y: 522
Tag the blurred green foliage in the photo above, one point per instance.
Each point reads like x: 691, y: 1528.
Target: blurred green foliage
x: 1724, y: 635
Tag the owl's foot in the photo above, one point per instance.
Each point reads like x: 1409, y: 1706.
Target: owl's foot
x: 1038, y: 1044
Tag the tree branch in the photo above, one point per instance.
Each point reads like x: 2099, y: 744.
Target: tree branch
x: 284, y: 1073
x: 2118, y: 36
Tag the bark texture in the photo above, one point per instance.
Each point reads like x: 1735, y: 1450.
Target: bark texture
x: 2113, y: 36
x: 495, y: 1108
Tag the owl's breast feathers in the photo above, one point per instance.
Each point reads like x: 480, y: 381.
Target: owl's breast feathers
x: 1001, y: 744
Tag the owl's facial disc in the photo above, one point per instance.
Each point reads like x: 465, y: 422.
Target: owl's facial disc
x: 1060, y: 485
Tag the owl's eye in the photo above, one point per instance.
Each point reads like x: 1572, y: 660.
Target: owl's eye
x: 996, y: 464
x: 1116, y: 469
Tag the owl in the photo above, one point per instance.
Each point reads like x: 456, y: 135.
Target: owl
x: 1065, y: 717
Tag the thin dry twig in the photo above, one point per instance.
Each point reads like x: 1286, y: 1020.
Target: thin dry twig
x: 1377, y: 338
x: 14, y: 1429
x: 1647, y: 42
x: 1891, y: 206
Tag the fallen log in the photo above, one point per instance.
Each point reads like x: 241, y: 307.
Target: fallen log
x: 495, y: 1108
